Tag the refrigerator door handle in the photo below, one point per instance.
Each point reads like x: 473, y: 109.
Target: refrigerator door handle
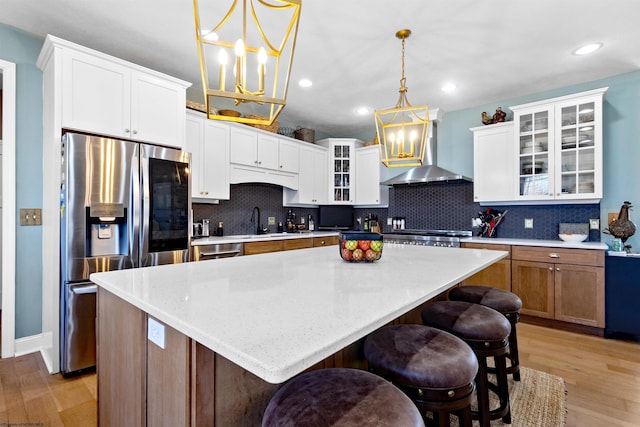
x: 134, y: 214
x: 82, y: 290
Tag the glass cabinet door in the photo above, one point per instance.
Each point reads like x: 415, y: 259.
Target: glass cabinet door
x: 534, y: 153
x: 577, y: 149
x: 341, y: 173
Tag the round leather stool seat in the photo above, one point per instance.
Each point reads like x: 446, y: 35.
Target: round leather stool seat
x: 498, y: 299
x: 507, y: 303
x: 434, y: 368
x: 340, y: 397
x: 479, y: 326
x: 486, y: 331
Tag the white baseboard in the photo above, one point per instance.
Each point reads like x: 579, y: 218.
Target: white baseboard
x: 28, y: 345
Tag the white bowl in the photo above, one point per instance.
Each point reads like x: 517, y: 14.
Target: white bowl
x: 573, y: 237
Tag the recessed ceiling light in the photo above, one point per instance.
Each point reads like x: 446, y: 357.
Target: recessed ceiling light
x: 587, y: 49
x: 363, y: 111
x: 305, y: 83
x: 448, y: 87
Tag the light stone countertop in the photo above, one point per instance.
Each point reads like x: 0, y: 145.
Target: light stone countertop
x: 244, y: 238
x: 279, y: 313
x: 534, y: 242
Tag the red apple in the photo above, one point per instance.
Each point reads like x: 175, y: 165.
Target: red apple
x: 364, y: 245
x: 346, y: 254
x: 371, y: 255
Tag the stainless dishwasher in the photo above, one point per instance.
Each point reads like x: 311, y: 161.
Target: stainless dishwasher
x: 217, y: 250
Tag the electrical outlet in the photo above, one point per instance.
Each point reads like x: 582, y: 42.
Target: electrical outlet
x: 594, y: 224
x: 155, y: 332
x: 271, y: 220
x: 31, y: 216
x: 528, y: 223
x: 389, y: 221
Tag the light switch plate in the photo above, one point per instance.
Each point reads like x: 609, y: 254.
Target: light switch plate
x: 389, y: 221
x: 594, y: 224
x: 271, y: 220
x: 155, y: 332
x: 528, y: 223
x: 31, y: 216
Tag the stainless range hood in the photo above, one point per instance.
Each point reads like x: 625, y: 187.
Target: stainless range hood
x: 429, y: 172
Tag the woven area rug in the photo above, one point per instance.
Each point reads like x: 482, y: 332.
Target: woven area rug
x: 539, y: 399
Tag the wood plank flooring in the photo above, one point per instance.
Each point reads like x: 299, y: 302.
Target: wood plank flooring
x: 602, y: 378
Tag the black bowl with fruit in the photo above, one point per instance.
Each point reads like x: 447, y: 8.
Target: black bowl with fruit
x: 358, y: 246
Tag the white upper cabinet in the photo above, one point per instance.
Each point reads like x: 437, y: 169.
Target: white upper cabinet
x: 259, y: 156
x: 289, y: 156
x: 341, y: 169
x: 559, y: 148
x: 104, y: 95
x: 252, y: 149
x: 368, y: 175
x: 312, y: 180
x: 493, y: 153
x: 208, y: 143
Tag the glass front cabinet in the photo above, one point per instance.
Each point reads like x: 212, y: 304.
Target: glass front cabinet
x: 341, y: 167
x: 559, y: 146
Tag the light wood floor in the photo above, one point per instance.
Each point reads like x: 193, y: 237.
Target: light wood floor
x: 602, y: 378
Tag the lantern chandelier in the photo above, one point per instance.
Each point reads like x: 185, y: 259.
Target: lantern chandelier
x: 261, y: 36
x: 403, y: 130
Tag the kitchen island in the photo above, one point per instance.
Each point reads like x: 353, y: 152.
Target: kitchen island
x: 236, y: 328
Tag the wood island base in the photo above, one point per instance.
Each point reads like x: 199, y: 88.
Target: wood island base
x: 184, y: 384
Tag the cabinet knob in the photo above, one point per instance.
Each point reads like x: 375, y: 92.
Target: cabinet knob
x: 554, y: 255
x: 126, y: 131
x: 259, y: 162
x: 135, y: 132
x: 280, y: 166
x: 322, y: 242
x: 550, y: 268
x: 557, y: 268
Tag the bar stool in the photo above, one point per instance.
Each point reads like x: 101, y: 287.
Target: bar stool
x: 340, y: 397
x: 433, y: 367
x: 486, y: 331
x: 507, y: 303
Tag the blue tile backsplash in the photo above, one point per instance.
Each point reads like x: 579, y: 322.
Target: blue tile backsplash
x: 446, y: 205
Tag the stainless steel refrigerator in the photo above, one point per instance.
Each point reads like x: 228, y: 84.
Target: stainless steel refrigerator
x: 122, y: 205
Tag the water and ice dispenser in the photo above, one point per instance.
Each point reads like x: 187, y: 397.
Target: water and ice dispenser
x: 106, y: 230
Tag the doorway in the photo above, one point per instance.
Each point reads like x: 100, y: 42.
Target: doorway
x: 8, y: 207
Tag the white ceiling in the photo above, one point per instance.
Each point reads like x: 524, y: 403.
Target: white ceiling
x: 492, y: 50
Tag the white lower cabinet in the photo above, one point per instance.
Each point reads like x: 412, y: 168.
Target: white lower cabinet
x: 312, y: 179
x: 208, y: 142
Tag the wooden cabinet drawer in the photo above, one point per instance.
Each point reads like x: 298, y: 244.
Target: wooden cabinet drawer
x: 558, y: 255
x: 506, y: 248
x: 325, y: 241
x: 303, y: 243
x: 254, y: 248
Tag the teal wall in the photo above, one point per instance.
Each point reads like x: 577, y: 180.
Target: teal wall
x: 23, y: 49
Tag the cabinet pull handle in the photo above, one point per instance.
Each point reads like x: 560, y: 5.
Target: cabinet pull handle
x: 554, y: 255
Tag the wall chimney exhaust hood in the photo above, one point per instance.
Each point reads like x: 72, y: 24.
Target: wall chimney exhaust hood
x: 429, y: 172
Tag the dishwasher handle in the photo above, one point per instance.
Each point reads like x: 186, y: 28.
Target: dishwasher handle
x: 219, y: 253
x: 81, y: 290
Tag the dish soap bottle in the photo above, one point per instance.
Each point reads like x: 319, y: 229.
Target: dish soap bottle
x: 312, y: 225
